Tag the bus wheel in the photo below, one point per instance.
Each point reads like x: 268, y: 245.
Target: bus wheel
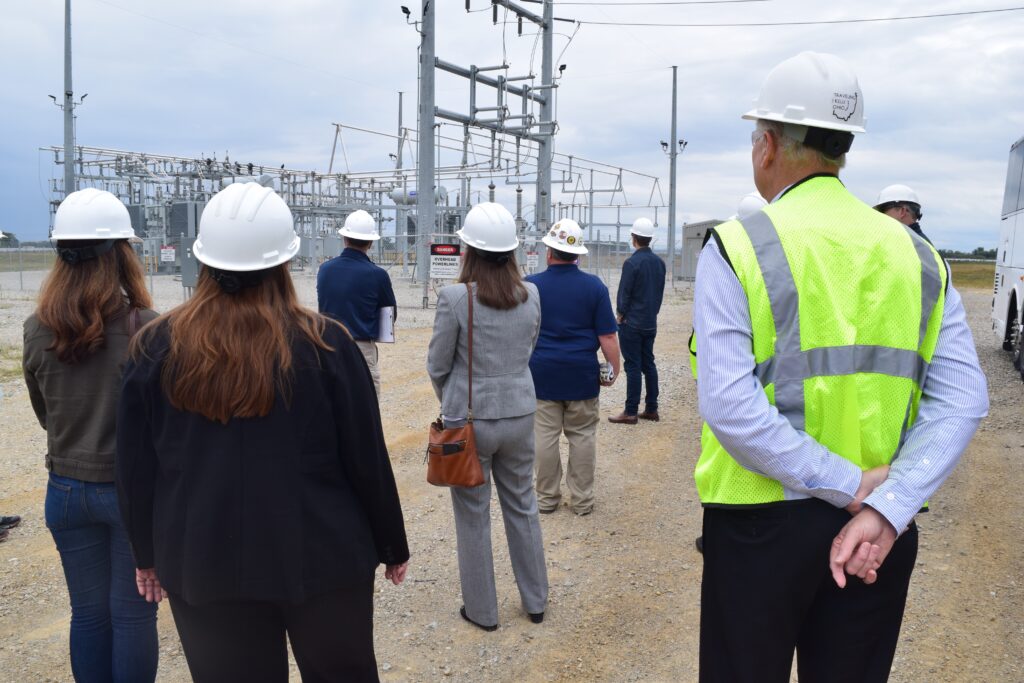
x: 1016, y: 334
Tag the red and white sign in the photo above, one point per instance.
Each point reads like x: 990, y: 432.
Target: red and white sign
x: 444, y: 261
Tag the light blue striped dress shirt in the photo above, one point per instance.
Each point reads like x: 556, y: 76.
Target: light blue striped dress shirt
x: 733, y: 403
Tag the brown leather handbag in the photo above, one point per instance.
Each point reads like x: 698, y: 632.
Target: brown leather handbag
x: 451, y: 453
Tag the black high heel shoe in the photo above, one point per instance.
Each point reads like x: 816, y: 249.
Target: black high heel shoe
x: 462, y: 611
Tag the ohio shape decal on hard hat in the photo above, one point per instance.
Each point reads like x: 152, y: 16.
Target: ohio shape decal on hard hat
x: 561, y: 235
x: 843, y: 103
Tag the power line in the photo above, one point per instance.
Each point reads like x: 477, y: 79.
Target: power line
x: 799, y: 23
x: 562, y: 53
x: 676, y: 2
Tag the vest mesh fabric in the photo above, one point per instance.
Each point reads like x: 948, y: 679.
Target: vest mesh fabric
x: 858, y: 276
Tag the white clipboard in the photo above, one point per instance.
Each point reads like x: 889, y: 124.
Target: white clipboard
x: 386, y: 330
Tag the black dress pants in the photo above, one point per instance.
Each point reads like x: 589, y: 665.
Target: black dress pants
x: 331, y: 638
x: 767, y: 591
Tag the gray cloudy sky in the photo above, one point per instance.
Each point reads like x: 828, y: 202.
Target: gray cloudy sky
x: 264, y: 81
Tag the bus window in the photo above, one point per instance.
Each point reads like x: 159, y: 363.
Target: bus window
x: 1013, y: 198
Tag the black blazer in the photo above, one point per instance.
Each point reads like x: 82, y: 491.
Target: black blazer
x: 280, y: 508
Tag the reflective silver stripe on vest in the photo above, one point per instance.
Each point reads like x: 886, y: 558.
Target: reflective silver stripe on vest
x: 931, y: 287
x: 931, y: 282
x: 790, y: 365
x: 842, y: 360
x: 785, y: 304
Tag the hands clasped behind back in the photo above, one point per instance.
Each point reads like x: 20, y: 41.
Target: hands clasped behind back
x: 862, y: 545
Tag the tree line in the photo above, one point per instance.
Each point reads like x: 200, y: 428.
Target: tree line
x: 979, y: 253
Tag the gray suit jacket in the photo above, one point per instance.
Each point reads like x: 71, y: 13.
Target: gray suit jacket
x: 502, y: 344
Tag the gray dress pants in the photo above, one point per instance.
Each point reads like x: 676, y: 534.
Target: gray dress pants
x: 506, y: 454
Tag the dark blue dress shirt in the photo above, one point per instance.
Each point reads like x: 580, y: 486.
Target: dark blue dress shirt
x: 640, y: 289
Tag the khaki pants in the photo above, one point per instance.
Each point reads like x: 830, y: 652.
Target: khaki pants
x: 370, y: 353
x: 578, y: 420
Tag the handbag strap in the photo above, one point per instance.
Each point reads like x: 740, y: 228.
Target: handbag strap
x: 469, y: 300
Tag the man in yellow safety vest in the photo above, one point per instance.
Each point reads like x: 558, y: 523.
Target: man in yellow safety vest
x: 839, y: 385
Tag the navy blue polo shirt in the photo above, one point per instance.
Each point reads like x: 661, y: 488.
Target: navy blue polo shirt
x: 575, y: 311
x: 352, y: 289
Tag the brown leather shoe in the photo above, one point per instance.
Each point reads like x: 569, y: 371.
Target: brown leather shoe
x: 651, y: 415
x: 623, y: 419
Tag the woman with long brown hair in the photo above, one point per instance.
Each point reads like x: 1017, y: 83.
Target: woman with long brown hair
x: 254, y: 479
x: 76, y: 343
x: 505, y: 327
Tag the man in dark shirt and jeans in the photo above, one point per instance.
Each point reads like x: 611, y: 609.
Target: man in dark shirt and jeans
x: 639, y: 300
x: 352, y: 289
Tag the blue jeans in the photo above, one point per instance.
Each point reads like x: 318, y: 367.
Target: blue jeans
x: 637, y: 348
x: 113, y: 629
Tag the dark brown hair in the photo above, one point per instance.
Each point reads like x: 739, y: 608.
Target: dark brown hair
x: 563, y: 256
x: 230, y: 355
x: 77, y: 301
x: 498, y: 283
x: 642, y: 241
x: 358, y: 244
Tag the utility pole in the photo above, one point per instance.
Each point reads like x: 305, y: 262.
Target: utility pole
x: 425, y: 208
x: 401, y: 223
x: 673, y: 153
x: 69, y: 107
x: 542, y: 213
x: 398, y: 152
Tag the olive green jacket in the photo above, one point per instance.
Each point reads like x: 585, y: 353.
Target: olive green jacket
x: 77, y: 404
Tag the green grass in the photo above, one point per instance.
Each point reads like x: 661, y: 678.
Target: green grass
x: 10, y: 362
x: 30, y: 260
x: 973, y: 275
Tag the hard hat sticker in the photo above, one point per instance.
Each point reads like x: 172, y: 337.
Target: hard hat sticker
x: 561, y: 235
x: 570, y: 240
x: 844, y: 105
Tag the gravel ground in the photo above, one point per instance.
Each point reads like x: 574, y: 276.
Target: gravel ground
x: 624, y: 580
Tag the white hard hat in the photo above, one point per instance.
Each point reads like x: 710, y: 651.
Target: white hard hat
x: 565, y: 235
x: 812, y: 89
x: 91, y: 214
x: 246, y: 227
x: 489, y: 227
x: 642, y: 227
x: 360, y: 225
x: 749, y: 205
x: 897, y: 193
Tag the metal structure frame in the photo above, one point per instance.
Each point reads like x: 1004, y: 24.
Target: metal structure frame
x: 488, y: 143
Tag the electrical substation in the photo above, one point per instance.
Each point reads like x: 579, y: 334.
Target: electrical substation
x: 503, y: 140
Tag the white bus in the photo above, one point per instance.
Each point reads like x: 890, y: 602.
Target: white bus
x: 1008, y: 294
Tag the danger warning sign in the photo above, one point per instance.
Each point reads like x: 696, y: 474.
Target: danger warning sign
x: 444, y: 261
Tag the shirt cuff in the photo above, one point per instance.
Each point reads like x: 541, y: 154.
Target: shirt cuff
x: 894, y: 503
x: 838, y: 482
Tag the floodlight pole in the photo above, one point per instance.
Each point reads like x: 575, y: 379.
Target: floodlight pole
x: 673, y: 153
x: 69, y: 107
